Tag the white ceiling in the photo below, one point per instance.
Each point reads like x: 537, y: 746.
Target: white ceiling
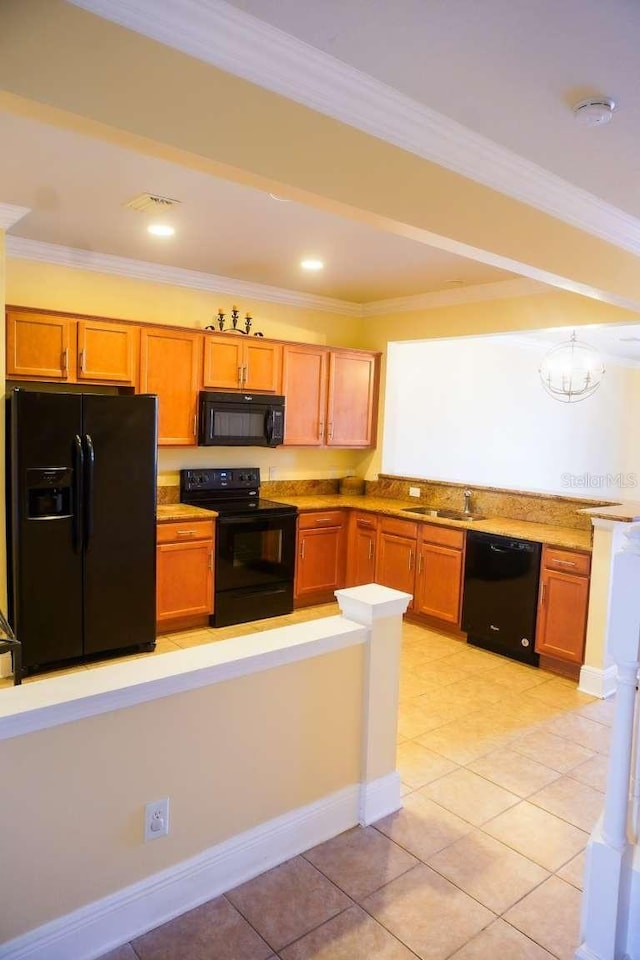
x: 76, y: 187
x: 508, y: 70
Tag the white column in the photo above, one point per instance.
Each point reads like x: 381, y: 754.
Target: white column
x: 380, y: 609
x: 605, y: 907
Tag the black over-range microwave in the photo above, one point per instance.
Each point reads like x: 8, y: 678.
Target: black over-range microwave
x: 240, y: 420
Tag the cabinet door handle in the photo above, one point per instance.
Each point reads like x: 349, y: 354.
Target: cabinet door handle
x: 370, y: 549
x: 365, y: 523
x: 245, y: 375
x: 419, y: 563
x: 543, y: 594
x: 330, y: 429
x: 302, y: 550
x: 324, y: 520
x: 565, y: 563
x: 81, y: 361
x: 65, y: 360
x: 185, y: 533
x: 211, y: 560
x: 195, y: 424
x: 321, y: 430
x: 410, y: 559
x: 240, y: 369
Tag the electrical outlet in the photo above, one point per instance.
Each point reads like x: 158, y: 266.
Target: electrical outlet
x: 156, y: 819
x: 273, y: 473
x: 414, y: 491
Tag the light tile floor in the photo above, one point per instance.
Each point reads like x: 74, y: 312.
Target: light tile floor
x: 503, y: 768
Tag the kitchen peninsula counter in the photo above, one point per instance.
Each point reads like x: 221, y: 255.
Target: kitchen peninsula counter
x: 549, y: 533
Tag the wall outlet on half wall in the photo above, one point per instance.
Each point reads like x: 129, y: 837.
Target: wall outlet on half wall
x: 414, y: 491
x: 156, y: 819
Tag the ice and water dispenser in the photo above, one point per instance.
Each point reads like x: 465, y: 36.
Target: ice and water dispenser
x: 49, y: 493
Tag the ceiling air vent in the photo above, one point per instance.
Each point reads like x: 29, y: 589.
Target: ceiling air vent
x: 151, y: 203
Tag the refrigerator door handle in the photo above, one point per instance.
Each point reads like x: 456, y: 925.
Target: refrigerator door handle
x: 78, y: 506
x: 88, y: 488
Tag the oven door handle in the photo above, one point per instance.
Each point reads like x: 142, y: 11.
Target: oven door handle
x: 255, y: 518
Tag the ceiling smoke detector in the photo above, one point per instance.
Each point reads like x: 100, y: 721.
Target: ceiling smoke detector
x: 595, y: 111
x: 151, y: 203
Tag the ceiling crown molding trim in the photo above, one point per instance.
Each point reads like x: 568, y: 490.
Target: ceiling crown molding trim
x: 10, y: 214
x: 499, y: 290
x: 25, y: 249
x: 219, y: 34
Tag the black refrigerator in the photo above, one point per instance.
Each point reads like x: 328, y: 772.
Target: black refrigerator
x: 81, y: 504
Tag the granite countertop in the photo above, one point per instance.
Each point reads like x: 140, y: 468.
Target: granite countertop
x: 548, y: 533
x: 182, y: 511
x: 628, y: 511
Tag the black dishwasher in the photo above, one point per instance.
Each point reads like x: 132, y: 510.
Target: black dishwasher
x: 500, y: 599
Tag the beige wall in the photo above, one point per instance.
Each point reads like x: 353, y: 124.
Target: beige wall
x: 229, y: 756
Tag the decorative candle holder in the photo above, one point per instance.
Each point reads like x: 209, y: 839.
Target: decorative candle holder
x: 220, y: 319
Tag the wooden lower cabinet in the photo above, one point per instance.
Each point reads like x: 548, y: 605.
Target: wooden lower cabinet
x: 562, y: 610
x: 321, y: 556
x: 439, y: 573
x: 396, y: 561
x: 184, y: 571
x: 362, y: 548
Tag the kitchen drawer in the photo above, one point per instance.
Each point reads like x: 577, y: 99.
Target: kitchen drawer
x: 398, y: 528
x: 325, y: 518
x: 366, y: 521
x: 184, y: 530
x: 567, y: 561
x: 444, y: 536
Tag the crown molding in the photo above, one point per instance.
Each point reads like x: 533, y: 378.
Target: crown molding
x: 241, y: 44
x: 25, y: 249
x: 10, y: 214
x: 499, y: 290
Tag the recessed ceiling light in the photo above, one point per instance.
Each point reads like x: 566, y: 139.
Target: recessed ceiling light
x: 311, y: 263
x: 455, y: 283
x: 274, y: 196
x: 161, y: 230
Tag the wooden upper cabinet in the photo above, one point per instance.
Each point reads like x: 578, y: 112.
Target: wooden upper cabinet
x: 170, y: 365
x: 262, y: 365
x: 352, y: 399
x: 107, y: 351
x: 304, y: 384
x: 40, y: 346
x: 242, y: 363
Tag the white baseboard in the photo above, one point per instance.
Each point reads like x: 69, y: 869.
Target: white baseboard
x: 93, y: 930
x: 598, y: 682
x: 379, y: 798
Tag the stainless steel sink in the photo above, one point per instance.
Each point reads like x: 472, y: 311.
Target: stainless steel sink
x: 444, y: 514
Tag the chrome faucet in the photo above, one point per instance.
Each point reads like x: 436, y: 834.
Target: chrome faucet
x: 467, y: 502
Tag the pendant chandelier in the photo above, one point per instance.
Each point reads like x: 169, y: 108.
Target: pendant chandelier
x: 571, y: 371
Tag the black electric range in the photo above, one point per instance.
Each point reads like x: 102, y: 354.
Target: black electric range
x: 255, y: 543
